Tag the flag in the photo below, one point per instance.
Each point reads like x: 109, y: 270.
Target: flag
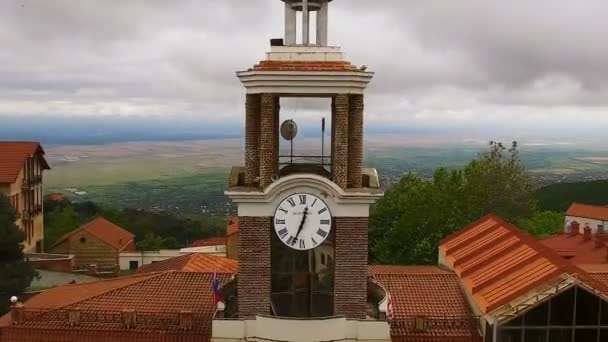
x: 390, y: 314
x: 218, y: 296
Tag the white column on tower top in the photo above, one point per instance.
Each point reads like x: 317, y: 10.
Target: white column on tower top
x: 322, y: 22
x: 290, y: 24
x: 305, y: 23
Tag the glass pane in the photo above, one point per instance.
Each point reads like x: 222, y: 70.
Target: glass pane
x: 282, y: 304
x: 510, y: 335
x: 604, y: 313
x: 538, y: 316
x: 604, y: 335
x: 560, y: 335
x: 562, y: 308
x: 587, y: 308
x: 516, y: 322
x: 585, y: 335
x: 281, y: 282
x: 535, y: 335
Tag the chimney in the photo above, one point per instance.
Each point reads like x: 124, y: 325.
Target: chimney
x: 73, y: 317
x: 186, y: 320
x: 128, y: 318
x: 586, y: 234
x: 574, y: 228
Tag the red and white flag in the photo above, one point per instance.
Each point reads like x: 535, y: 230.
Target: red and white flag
x: 390, y: 313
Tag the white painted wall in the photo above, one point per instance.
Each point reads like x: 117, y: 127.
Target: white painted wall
x: 584, y: 222
x: 149, y: 257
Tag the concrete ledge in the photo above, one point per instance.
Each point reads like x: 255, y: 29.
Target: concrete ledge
x: 300, y: 330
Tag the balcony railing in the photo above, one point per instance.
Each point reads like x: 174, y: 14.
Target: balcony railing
x: 31, y: 182
x: 422, y: 324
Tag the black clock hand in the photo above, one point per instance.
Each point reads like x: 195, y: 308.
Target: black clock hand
x: 301, y: 225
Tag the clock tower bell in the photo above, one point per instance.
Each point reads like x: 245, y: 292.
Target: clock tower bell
x: 303, y: 222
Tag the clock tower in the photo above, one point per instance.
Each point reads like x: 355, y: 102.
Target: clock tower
x: 303, y: 220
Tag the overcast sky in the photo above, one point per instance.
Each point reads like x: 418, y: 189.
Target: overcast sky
x: 523, y: 64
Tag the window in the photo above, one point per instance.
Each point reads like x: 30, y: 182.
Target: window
x: 133, y: 265
x: 83, y: 239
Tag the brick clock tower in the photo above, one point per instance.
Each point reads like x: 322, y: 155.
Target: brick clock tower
x: 303, y: 237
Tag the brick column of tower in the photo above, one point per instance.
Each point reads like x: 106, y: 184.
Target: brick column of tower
x: 252, y: 139
x: 350, y: 267
x: 340, y: 141
x: 277, y: 123
x: 267, y: 140
x: 254, y: 278
x: 355, y: 141
x: 333, y: 133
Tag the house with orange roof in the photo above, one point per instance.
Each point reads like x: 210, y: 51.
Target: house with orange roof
x: 97, y: 243
x: 578, y: 247
x: 21, y: 167
x: 493, y: 282
x: 594, y: 217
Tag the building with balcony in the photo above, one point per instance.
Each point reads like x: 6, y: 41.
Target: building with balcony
x: 21, y: 167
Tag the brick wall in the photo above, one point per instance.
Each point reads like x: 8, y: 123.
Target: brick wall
x: 254, y: 266
x: 355, y: 141
x: 91, y: 251
x: 340, y: 141
x: 351, y: 267
x: 232, y: 246
x: 252, y: 139
x: 18, y: 334
x: 267, y: 140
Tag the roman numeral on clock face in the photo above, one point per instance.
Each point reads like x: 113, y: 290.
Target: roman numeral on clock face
x: 302, y: 244
x: 302, y: 199
x: 322, y: 233
x: 291, y: 241
x: 279, y: 221
x: 322, y: 211
x: 314, y: 243
x: 325, y: 221
x: 291, y: 201
x: 283, y: 210
x: 282, y: 233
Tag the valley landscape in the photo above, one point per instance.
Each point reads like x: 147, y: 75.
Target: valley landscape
x: 189, y: 177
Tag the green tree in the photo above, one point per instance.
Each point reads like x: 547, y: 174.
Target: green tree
x: 151, y: 242
x: 59, y: 222
x: 543, y: 224
x: 16, y: 273
x: 412, y: 218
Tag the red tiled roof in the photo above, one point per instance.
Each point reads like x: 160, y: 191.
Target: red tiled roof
x: 577, y: 249
x: 598, y: 272
x: 105, y: 231
x: 430, y: 292
x: 160, y: 295
x: 596, y: 212
x: 56, y: 196
x: 212, y: 241
x: 497, y: 262
x: 195, y: 262
x: 233, y: 226
x: 304, y: 66
x: 13, y: 155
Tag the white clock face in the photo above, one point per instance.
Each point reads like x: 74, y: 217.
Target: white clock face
x: 302, y: 221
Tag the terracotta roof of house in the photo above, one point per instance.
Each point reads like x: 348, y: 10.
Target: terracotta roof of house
x: 577, y: 249
x: 497, y: 262
x: 157, y: 298
x: 195, y: 262
x: 304, y: 66
x: 212, y: 241
x: 598, y: 272
x: 597, y: 212
x: 233, y: 226
x: 106, y: 231
x: 56, y: 196
x: 430, y: 292
x: 13, y: 155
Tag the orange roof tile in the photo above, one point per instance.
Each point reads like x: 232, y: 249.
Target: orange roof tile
x: 596, y: 212
x: 212, y: 241
x: 577, y: 249
x: 598, y: 272
x: 56, y: 197
x: 233, y: 226
x: 105, y: 231
x: 497, y: 262
x: 195, y: 262
x: 161, y: 295
x: 304, y: 66
x: 13, y: 155
x: 426, y: 291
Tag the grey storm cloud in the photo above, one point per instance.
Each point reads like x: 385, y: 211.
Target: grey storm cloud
x: 436, y: 61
